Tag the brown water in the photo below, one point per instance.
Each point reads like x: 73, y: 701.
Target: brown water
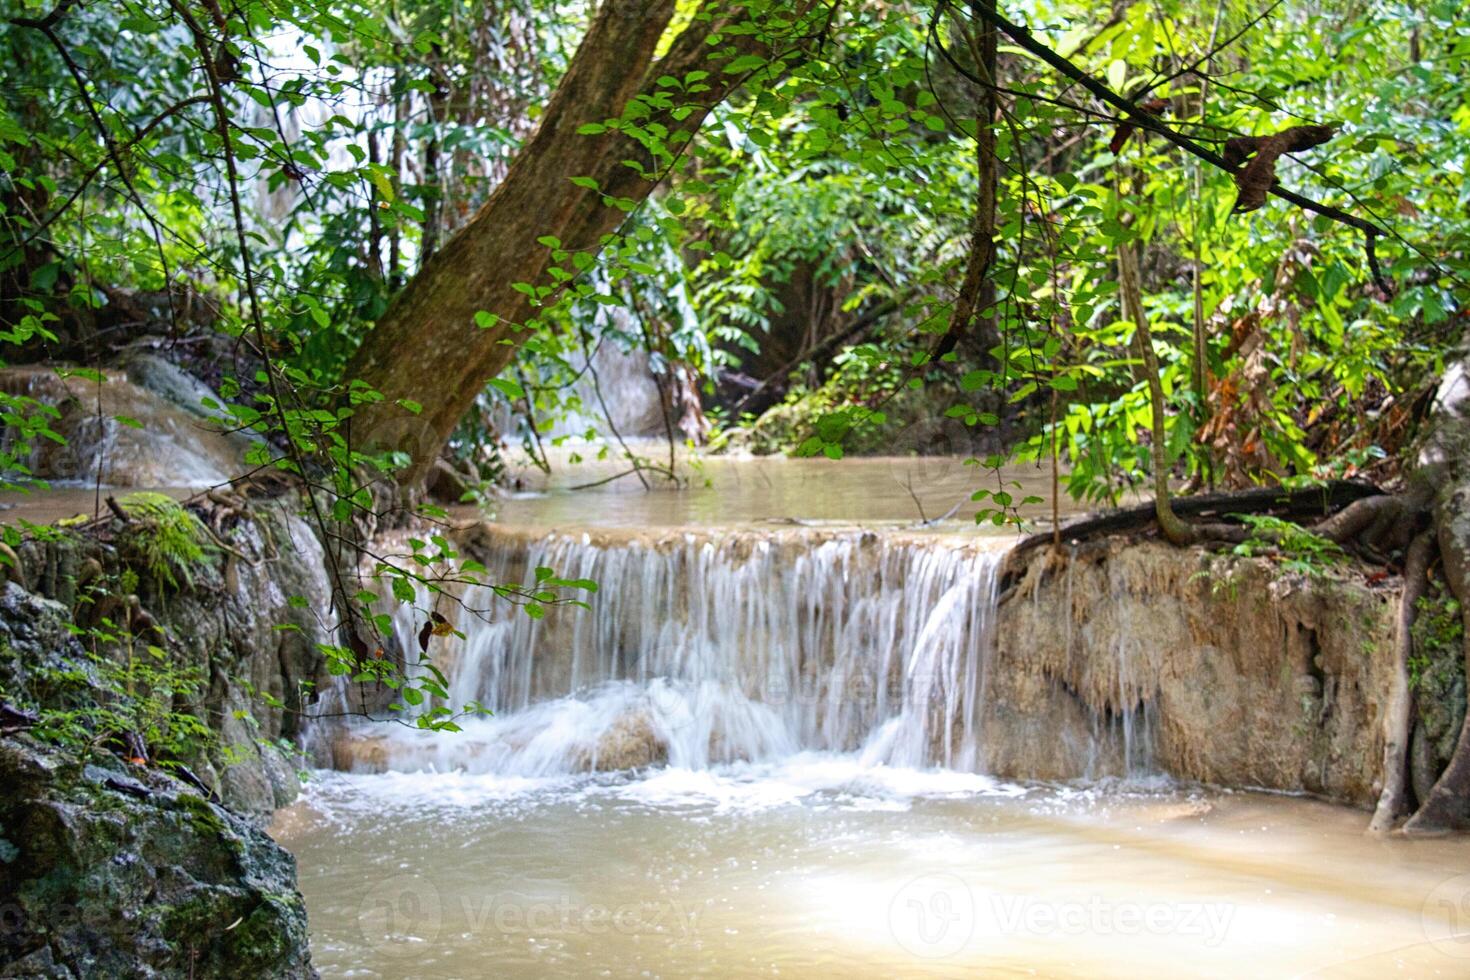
x: 764, y: 490
x: 817, y: 867
x: 826, y: 864
x: 67, y: 503
x: 711, y: 491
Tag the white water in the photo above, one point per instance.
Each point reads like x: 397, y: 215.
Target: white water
x: 795, y: 717
x: 120, y: 434
x: 707, y: 648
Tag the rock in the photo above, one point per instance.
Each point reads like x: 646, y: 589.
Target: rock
x: 172, y: 448
x: 229, y: 624
x: 225, y: 622
x: 1128, y: 657
x: 34, y: 640
x: 628, y: 743
x: 111, y: 870
x: 170, y: 382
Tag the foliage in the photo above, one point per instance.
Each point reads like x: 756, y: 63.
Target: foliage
x: 1299, y: 551
x: 163, y: 537
x: 285, y: 168
x: 114, y: 695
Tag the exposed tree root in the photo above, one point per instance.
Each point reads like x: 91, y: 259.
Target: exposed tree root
x: 1381, y: 525
x: 1448, y: 805
x: 1393, y: 800
x: 1290, y: 504
x: 11, y: 569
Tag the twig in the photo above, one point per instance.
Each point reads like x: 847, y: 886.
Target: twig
x: 1145, y: 120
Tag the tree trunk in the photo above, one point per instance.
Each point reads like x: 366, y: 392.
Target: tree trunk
x: 1398, y: 718
x: 1448, y: 805
x: 427, y: 348
x: 973, y: 317
x: 1175, y: 529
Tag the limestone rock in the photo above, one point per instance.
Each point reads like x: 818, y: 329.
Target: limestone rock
x: 1129, y: 657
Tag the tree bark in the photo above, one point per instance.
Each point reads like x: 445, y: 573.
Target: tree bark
x: 1448, y: 805
x: 1398, y: 719
x: 973, y: 316
x: 427, y: 347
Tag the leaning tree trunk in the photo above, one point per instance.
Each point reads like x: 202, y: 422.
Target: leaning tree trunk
x: 428, y: 349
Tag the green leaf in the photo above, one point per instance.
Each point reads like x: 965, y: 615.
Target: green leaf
x: 508, y: 388
x: 744, y: 63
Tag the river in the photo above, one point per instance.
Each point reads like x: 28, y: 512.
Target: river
x: 761, y: 753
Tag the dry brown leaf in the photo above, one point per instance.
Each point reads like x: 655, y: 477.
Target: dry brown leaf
x: 1254, y: 180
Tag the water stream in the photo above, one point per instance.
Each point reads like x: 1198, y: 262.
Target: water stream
x: 821, y: 866
x: 762, y: 752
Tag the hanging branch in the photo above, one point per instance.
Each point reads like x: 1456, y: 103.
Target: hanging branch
x: 1145, y: 120
x: 47, y: 26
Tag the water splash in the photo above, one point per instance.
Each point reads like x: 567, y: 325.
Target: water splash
x: 703, y: 649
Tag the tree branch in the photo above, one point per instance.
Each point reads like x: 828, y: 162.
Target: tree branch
x: 1023, y: 37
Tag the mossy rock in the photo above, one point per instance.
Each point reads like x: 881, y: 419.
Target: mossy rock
x: 119, y: 871
x: 913, y: 424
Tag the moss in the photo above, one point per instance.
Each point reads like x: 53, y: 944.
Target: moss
x: 202, y: 817
x: 1436, y: 671
x: 260, y: 938
x: 912, y: 422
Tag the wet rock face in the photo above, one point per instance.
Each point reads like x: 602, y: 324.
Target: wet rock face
x: 111, y: 870
x: 224, y: 621
x: 1138, y: 657
x: 33, y: 633
x: 172, y: 448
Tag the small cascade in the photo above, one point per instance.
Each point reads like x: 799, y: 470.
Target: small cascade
x: 122, y: 434
x: 707, y: 648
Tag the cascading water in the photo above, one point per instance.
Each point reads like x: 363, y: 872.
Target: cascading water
x: 120, y: 433
x: 789, y: 706
x: 708, y: 648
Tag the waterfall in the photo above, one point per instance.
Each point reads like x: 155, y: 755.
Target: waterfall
x: 703, y: 648
x: 122, y: 433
